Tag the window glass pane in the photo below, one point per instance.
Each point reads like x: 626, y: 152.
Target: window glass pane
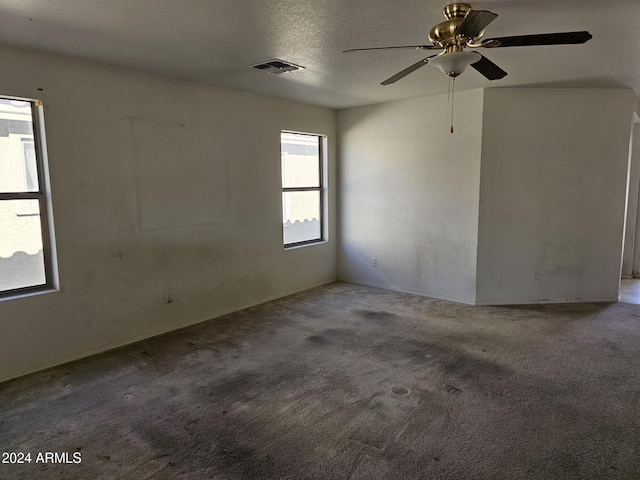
x: 301, y: 216
x: 21, y: 258
x: 18, y: 172
x: 300, y: 160
x: 30, y: 167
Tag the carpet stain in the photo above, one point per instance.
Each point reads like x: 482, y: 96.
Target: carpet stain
x: 400, y: 390
x: 317, y: 339
x: 452, y: 390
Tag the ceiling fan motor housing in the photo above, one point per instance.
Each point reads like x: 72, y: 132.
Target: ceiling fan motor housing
x: 444, y: 33
x: 456, y: 10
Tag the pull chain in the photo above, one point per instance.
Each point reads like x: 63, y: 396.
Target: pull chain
x: 453, y: 91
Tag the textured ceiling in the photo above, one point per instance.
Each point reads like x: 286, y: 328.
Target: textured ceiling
x: 213, y: 42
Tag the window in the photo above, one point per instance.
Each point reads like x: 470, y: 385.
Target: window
x: 25, y: 245
x: 302, y: 188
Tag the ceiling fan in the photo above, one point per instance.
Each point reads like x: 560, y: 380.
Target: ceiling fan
x: 464, y: 28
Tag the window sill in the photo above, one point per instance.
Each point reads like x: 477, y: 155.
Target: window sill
x: 31, y: 293
x: 303, y: 245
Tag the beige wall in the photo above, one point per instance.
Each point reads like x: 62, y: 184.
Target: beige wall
x: 631, y: 238
x: 532, y: 180
x: 409, y: 195
x: 158, y: 185
x: 553, y: 194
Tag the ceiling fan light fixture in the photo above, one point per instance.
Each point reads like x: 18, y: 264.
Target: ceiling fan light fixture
x: 454, y: 63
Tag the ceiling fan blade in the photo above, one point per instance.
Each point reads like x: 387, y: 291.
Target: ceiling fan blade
x: 489, y: 69
x: 565, y: 38
x: 407, y: 71
x: 475, y: 22
x: 414, y: 47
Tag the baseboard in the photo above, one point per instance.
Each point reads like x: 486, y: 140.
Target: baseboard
x: 155, y: 333
x: 408, y: 290
x: 545, y: 301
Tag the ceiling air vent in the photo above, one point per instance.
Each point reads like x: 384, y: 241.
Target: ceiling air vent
x: 277, y: 66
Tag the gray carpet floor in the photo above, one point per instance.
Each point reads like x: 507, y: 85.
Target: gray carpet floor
x: 346, y: 382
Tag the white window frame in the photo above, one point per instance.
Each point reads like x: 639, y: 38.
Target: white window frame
x: 322, y: 189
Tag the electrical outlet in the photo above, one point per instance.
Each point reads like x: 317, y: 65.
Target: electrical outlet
x: 536, y: 275
x: 374, y: 262
x: 168, y: 297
